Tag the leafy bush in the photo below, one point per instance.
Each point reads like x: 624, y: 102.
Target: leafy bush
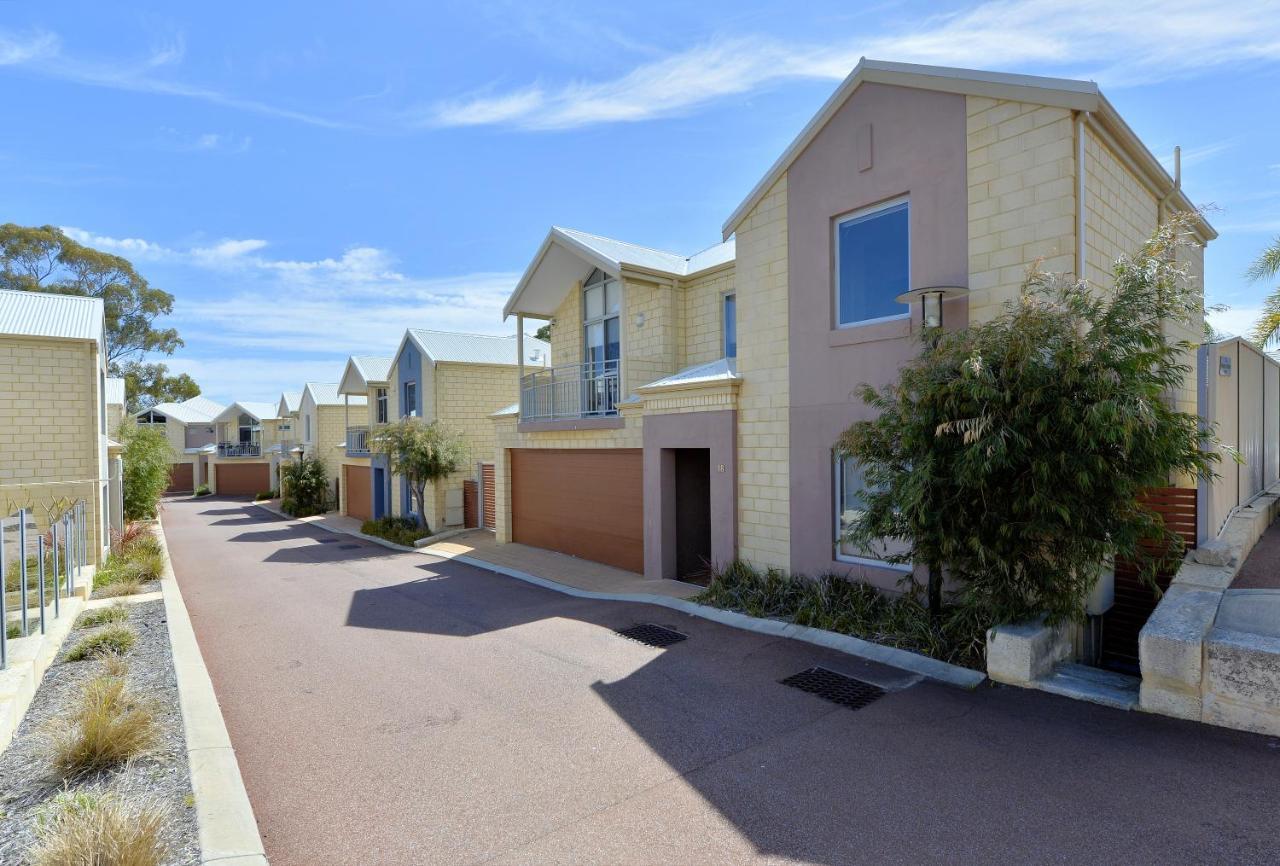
x: 400, y: 530
x: 203, y: 490
x: 147, y: 458
x: 837, y: 603
x: 83, y: 827
x: 113, y: 640
x: 266, y: 494
x: 114, y: 614
x: 107, y: 728
x: 1012, y: 453
x: 304, y: 487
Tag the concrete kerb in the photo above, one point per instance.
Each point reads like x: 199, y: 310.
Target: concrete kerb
x: 933, y: 669
x: 228, y: 830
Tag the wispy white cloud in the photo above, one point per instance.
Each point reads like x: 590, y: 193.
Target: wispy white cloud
x: 1122, y: 44
x: 41, y: 53
x: 204, y: 142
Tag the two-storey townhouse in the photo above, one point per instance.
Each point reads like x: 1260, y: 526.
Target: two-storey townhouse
x: 456, y: 379
x: 323, y: 418
x: 362, y: 471
x: 53, y: 411
x: 908, y: 178
x: 244, y: 461
x: 192, y: 434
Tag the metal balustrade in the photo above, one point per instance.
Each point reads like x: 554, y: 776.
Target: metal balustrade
x: 239, y: 449
x: 357, y: 440
x: 589, y: 390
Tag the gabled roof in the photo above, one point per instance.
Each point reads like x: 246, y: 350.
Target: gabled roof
x: 290, y: 402
x: 361, y: 372
x: 114, y: 395
x: 326, y: 394
x: 257, y: 411
x: 455, y: 348
x: 44, y: 314
x: 194, y: 411
x: 1059, y: 92
x: 568, y: 255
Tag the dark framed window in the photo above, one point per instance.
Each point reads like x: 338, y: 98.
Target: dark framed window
x: 730, y: 316
x: 872, y: 264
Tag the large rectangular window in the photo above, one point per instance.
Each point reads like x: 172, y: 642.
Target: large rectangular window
x: 873, y: 264
x: 731, y: 326
x: 602, y: 345
x: 380, y: 402
x: 850, y: 484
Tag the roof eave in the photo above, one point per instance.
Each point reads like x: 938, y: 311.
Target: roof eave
x: 555, y: 236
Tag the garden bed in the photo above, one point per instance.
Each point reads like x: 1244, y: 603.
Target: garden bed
x: 35, y: 792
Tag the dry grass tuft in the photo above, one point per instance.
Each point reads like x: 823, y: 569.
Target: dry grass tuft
x: 113, y: 615
x: 84, y: 829
x: 108, y: 728
x: 115, y: 666
x: 118, y: 588
x: 112, y: 640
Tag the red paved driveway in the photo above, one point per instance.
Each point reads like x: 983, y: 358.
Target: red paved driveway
x: 391, y: 708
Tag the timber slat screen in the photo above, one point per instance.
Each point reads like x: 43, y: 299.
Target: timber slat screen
x: 1135, y: 600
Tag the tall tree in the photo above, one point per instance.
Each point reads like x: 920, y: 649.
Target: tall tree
x: 1264, y: 267
x: 45, y: 259
x: 148, y: 384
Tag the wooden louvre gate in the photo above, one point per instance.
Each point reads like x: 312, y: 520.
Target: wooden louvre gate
x: 1135, y: 599
x: 488, y: 509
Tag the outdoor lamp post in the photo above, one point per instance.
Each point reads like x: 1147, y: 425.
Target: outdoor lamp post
x: 930, y: 299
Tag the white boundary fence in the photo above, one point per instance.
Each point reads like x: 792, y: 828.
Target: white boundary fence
x: 1240, y: 394
x: 35, y: 565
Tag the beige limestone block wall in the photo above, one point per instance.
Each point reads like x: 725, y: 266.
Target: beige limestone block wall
x: 566, y: 328
x: 1021, y: 170
x: 650, y: 332
x: 764, y: 523
x: 50, y: 450
x: 331, y: 434
x: 703, y: 316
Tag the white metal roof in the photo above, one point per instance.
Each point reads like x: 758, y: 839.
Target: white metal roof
x: 326, y: 394
x: 361, y: 372
x: 290, y: 402
x: 256, y: 410
x: 723, y: 370
x: 1060, y: 92
x: 452, y: 347
x: 114, y: 395
x: 44, y: 314
x: 568, y: 255
x: 193, y: 411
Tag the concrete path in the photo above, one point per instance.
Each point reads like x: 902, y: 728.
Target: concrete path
x: 390, y: 708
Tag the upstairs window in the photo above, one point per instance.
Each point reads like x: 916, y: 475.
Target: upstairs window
x: 306, y: 427
x: 601, y: 308
x: 872, y: 264
x: 380, y: 405
x: 731, y: 326
x: 410, y: 408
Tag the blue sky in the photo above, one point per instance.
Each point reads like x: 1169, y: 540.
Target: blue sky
x: 310, y: 179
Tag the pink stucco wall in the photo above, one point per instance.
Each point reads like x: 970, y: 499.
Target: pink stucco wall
x: 918, y: 147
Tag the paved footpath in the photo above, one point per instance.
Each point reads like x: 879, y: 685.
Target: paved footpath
x: 394, y: 708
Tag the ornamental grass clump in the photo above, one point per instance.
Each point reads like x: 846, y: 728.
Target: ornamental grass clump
x: 113, y: 640
x: 112, y: 615
x: 108, y: 727
x: 1011, y: 454
x: 400, y: 530
x: 82, y: 828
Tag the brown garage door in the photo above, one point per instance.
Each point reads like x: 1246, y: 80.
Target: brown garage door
x: 242, y: 479
x: 181, y: 478
x: 582, y: 502
x: 355, y: 481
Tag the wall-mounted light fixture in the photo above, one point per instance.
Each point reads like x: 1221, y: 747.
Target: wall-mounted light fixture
x: 640, y: 319
x: 930, y: 299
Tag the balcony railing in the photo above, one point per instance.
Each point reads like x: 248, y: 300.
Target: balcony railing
x: 239, y: 449
x: 357, y: 440
x: 588, y: 390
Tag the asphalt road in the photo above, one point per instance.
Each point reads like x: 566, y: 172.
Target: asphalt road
x: 394, y: 708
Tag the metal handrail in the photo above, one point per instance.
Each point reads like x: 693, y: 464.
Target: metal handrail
x: 589, y: 390
x: 357, y: 440
x: 239, y: 449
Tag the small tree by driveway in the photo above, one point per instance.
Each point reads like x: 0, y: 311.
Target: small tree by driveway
x: 147, y: 456
x: 1013, y: 452
x: 422, y: 454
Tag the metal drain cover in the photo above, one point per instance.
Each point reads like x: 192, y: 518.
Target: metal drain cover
x: 651, y: 635
x: 834, y: 687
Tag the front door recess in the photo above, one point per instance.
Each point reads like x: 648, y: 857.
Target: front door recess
x: 693, y: 514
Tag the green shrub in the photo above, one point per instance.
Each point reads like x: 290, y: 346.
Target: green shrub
x: 107, y: 728
x: 113, y: 640
x: 304, y: 487
x: 116, y: 613
x: 147, y: 458
x: 836, y: 603
x: 400, y: 530
x: 203, y: 490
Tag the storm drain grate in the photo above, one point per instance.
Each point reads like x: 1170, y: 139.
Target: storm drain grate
x: 348, y: 546
x: 834, y: 687
x: 651, y: 635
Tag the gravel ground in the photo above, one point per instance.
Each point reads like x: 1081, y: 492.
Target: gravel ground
x: 28, y: 782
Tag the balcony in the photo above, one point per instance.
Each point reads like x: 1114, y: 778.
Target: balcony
x: 358, y: 441
x: 588, y: 390
x: 239, y: 449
